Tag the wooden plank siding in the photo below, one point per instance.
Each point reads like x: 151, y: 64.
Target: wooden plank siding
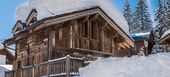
x: 84, y: 33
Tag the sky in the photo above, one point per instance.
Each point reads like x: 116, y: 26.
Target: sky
x: 8, y: 7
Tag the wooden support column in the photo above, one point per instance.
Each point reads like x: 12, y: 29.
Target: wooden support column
x: 102, y: 36
x: 113, y: 47
x: 75, y: 35
x: 89, y: 33
x: 102, y: 39
x: 51, y: 43
x: 116, y: 51
x: 71, y: 36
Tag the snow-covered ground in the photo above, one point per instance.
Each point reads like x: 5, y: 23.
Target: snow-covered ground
x: 157, y: 65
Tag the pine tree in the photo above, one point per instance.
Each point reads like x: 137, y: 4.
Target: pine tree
x: 142, y: 19
x: 168, y: 15
x: 127, y: 13
x: 160, y: 16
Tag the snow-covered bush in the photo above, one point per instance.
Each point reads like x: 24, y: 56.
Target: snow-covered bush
x: 158, y: 48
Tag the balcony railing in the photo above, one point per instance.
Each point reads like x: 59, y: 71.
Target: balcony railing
x: 62, y: 67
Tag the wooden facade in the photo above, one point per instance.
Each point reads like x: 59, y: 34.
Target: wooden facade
x: 84, y: 35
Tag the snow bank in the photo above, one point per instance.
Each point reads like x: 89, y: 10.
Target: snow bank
x: 47, y: 8
x: 157, y: 65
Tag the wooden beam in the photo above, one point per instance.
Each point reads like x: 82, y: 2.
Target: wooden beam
x: 51, y: 43
x: 122, y: 45
x: 96, y: 16
x: 126, y: 44
x: 102, y: 38
x: 84, y: 19
x: 116, y: 35
x: 75, y: 35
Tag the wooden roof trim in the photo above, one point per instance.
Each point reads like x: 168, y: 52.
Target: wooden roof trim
x: 8, y: 42
x: 163, y: 40
x: 31, y: 15
x: 18, y: 25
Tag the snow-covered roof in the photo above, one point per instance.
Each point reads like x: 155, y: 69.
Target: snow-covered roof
x: 48, y: 8
x: 10, y: 50
x: 166, y: 33
x: 141, y: 34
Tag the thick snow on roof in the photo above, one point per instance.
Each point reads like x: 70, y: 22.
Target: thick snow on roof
x: 141, y: 34
x: 47, y: 8
x: 166, y: 33
x: 10, y: 50
x: 157, y: 65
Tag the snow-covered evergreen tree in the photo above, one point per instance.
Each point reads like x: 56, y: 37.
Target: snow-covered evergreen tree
x: 127, y: 13
x: 168, y: 14
x: 160, y: 16
x: 142, y: 19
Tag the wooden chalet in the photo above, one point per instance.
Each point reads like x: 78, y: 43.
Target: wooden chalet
x: 165, y: 40
x: 57, y: 46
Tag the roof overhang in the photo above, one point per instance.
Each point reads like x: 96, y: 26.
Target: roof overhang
x: 164, y: 39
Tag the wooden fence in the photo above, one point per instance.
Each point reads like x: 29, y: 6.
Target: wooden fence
x: 62, y: 67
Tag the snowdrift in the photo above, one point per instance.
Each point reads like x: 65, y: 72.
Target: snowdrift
x: 157, y: 65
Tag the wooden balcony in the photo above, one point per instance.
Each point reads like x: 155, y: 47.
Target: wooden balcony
x: 62, y: 67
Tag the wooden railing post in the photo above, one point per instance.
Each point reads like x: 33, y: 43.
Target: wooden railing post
x: 5, y: 73
x: 33, y: 70
x: 48, y: 68
x: 21, y: 71
x: 68, y: 66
